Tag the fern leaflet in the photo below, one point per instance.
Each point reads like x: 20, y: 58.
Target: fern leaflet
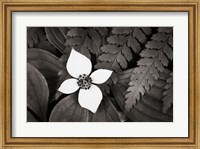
x: 168, y: 94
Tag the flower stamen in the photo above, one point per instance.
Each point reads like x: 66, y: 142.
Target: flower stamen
x: 84, y: 81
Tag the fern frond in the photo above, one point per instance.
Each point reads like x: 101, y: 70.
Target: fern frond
x: 155, y: 57
x: 121, y: 43
x: 84, y: 40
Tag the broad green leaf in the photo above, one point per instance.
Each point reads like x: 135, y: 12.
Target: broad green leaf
x: 64, y: 31
x: 31, y: 118
x: 69, y: 110
x: 36, y: 38
x: 32, y: 36
x: 56, y: 38
x: 37, y: 92
x: 49, y: 65
x: 105, y: 113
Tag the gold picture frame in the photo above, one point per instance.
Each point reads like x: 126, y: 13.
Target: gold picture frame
x: 9, y: 6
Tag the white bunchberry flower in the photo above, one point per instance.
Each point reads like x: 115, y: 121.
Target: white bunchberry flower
x: 79, y: 67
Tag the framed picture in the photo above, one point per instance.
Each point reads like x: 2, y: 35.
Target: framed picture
x: 81, y: 74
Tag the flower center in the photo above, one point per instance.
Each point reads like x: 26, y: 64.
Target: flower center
x: 84, y: 81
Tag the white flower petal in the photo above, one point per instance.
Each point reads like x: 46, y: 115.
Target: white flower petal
x: 100, y: 76
x: 91, y: 98
x: 69, y: 86
x: 78, y: 64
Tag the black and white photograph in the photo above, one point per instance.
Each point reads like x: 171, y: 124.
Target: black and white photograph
x: 100, y: 74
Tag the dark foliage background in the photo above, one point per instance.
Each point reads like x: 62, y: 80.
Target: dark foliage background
x: 139, y: 90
